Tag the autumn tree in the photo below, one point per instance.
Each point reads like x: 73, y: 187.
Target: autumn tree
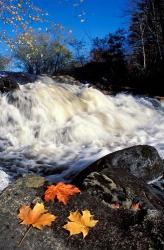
x: 40, y: 53
x: 16, y: 16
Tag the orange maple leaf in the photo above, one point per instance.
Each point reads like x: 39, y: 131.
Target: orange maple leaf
x: 80, y: 223
x: 60, y: 191
x: 36, y: 217
x: 135, y: 207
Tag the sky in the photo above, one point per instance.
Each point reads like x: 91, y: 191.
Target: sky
x: 85, y: 19
x: 89, y: 19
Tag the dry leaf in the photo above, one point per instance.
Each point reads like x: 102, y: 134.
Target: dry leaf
x: 36, y: 217
x: 115, y: 205
x: 60, y: 191
x: 135, y: 207
x: 80, y: 223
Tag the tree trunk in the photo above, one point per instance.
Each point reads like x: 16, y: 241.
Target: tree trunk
x: 143, y: 46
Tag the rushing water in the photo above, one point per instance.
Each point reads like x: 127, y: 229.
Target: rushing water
x: 50, y: 128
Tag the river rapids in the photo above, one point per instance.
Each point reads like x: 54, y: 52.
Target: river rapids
x: 56, y: 129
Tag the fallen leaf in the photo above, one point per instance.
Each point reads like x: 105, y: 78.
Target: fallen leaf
x: 80, y: 223
x: 36, y: 217
x: 135, y: 207
x: 115, y: 205
x: 61, y: 191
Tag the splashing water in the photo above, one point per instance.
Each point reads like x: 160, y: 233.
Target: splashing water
x: 51, y: 128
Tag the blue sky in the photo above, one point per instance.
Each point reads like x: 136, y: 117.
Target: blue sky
x: 100, y: 16
x: 87, y: 20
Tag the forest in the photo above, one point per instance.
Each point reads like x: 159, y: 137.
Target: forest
x: 132, y: 59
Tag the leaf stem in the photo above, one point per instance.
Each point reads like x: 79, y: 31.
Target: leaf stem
x: 24, y: 236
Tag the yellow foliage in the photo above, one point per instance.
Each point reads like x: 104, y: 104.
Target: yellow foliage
x: 36, y: 217
x: 80, y: 223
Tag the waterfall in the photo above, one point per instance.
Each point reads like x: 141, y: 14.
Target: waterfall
x: 50, y: 128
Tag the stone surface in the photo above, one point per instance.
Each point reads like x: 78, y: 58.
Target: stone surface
x: 18, y: 77
x: 8, y: 84
x: 116, y: 229
x: 142, y: 161
x: 66, y: 79
x: 122, y: 177
x: 118, y: 186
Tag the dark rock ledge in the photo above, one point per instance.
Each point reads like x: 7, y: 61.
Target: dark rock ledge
x: 9, y: 81
x: 8, y: 84
x: 102, y: 187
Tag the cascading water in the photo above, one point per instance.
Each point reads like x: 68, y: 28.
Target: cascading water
x: 58, y: 129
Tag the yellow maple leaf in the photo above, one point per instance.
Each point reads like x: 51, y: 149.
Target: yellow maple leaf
x: 80, y: 223
x: 61, y: 191
x: 36, y: 217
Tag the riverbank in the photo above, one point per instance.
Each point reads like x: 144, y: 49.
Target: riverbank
x: 61, y: 130
x: 103, y: 85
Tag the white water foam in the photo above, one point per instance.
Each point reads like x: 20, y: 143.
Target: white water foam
x: 45, y: 125
x: 4, y: 180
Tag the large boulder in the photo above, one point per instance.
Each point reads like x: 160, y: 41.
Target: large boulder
x: 8, y: 84
x: 9, y: 81
x: 121, y: 177
x: 116, y: 228
x: 117, y: 186
x: 129, y: 213
x: 142, y: 161
x: 19, y: 77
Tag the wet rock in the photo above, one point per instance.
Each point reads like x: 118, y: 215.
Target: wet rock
x: 34, y: 181
x: 116, y: 229
x: 158, y: 186
x: 66, y: 79
x: 118, y: 186
x: 142, y: 161
x: 18, y: 77
x: 121, y: 178
x: 8, y: 84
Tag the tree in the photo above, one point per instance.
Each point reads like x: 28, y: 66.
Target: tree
x: 116, y: 43
x: 109, y: 52
x: 79, y: 52
x: 100, y: 47
x: 108, y: 61
x: 17, y: 16
x: 110, y: 48
x: 4, y: 61
x: 147, y: 33
x: 137, y: 40
x: 39, y: 53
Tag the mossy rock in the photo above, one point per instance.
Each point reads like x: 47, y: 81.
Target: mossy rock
x: 116, y: 229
